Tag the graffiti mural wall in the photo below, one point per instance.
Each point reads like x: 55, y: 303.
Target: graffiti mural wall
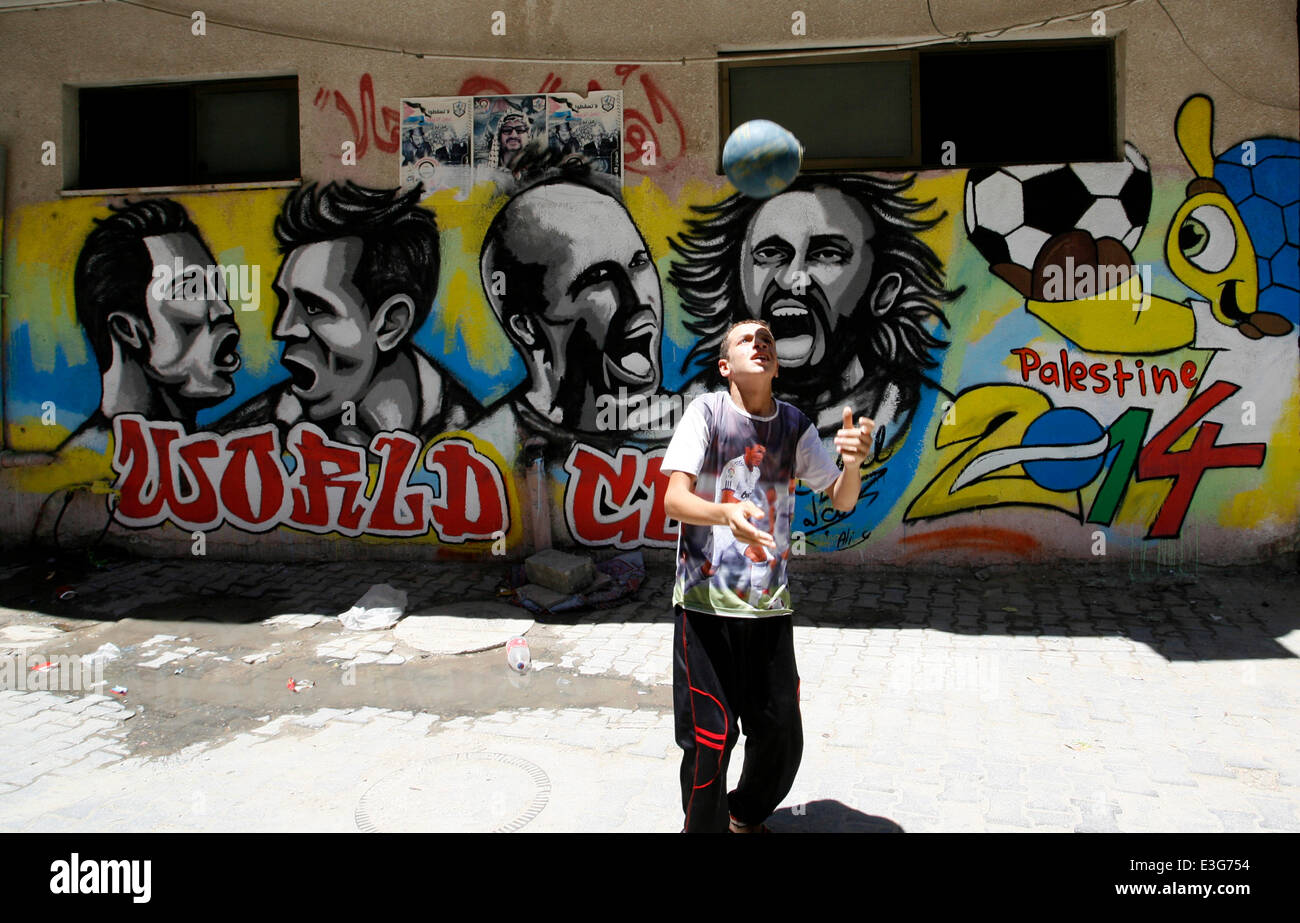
x: 1056, y: 355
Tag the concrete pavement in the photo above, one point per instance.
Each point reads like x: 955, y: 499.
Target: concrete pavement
x: 1007, y: 699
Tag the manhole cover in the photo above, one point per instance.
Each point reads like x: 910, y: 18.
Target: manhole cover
x: 463, y: 628
x: 461, y: 793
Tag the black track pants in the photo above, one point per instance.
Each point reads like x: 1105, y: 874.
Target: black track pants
x: 730, y: 671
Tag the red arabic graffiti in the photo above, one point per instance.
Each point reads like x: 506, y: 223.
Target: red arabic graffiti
x: 663, y: 128
x: 365, y: 129
x: 199, y: 482
x: 617, y: 500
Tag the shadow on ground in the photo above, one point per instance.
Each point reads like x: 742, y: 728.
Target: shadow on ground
x: 1190, y: 613
x: 829, y: 816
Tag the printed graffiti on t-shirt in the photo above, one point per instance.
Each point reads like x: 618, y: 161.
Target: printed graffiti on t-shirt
x: 737, y: 457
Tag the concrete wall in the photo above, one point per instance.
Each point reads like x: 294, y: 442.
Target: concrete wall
x: 1040, y: 403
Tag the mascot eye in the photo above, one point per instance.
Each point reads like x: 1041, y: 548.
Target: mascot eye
x: 1207, y: 238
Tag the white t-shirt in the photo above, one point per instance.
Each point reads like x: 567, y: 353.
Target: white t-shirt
x: 714, y: 572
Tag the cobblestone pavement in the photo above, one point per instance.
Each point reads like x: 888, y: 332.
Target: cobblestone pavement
x: 1003, y: 699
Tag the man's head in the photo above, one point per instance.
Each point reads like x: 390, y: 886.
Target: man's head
x: 754, y: 455
x: 806, y: 261
x: 571, y: 280
x: 748, y: 352
x: 512, y: 133
x: 184, y: 341
x: 359, y: 277
x: 833, y: 264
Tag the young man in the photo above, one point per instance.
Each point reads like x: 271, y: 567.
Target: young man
x: 733, y: 640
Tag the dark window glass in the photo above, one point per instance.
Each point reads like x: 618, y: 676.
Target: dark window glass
x: 1030, y: 102
x: 1049, y: 104
x: 188, y: 134
x: 836, y: 110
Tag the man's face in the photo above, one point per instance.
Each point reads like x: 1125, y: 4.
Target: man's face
x: 754, y: 455
x: 513, y: 134
x: 805, y: 265
x: 192, y: 350
x: 751, y: 351
x: 330, y: 348
x: 604, y: 315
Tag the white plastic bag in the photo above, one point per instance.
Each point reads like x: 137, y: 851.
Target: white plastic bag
x: 379, y: 608
x: 106, y: 652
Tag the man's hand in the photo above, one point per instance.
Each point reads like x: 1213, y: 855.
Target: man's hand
x: 738, y: 517
x: 854, y: 442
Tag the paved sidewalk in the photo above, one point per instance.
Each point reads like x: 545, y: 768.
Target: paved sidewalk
x: 1039, y: 699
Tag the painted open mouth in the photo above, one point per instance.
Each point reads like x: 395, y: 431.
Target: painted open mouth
x: 302, y: 375
x: 226, y: 358
x: 628, y: 355
x: 793, y: 328
x: 1228, y: 302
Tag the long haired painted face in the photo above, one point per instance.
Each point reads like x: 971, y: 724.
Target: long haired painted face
x: 805, y: 266
x: 331, y: 350
x: 192, y: 350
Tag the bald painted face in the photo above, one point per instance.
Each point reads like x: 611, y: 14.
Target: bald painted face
x: 603, y: 308
x: 805, y: 266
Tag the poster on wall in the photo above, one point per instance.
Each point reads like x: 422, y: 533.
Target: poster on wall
x: 503, y: 126
x: 437, y: 141
x: 591, y: 126
x: 452, y: 142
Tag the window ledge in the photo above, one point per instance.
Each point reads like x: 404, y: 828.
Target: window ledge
x: 204, y: 187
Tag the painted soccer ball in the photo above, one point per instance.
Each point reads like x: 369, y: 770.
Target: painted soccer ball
x: 1012, y: 211
x: 761, y: 158
x: 1267, y: 195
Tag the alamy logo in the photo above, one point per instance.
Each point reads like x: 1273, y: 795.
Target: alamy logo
x: 1108, y: 283
x: 103, y: 876
x: 183, y: 281
x: 58, y: 673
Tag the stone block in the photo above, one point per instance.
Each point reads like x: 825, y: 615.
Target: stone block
x: 542, y: 596
x: 561, y: 572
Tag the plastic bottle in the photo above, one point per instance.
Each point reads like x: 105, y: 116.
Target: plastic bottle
x: 518, y: 655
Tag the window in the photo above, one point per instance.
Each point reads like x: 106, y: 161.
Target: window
x: 188, y: 134
x: 943, y: 106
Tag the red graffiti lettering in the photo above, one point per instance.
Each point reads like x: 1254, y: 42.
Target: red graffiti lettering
x: 324, y: 501
x: 151, y: 460
x: 616, y: 501
x: 482, y: 86
x: 660, y: 105
x: 399, y: 509
x: 364, y: 129
x: 471, y: 502
x: 1189, y: 466
x: 201, y: 481
x: 254, y: 497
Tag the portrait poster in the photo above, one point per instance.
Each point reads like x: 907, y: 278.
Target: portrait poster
x: 503, y: 127
x: 591, y: 126
x: 437, y: 143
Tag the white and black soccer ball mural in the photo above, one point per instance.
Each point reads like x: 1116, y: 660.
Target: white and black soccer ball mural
x: 1011, y: 212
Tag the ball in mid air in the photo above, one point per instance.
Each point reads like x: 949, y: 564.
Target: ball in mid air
x: 761, y: 158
